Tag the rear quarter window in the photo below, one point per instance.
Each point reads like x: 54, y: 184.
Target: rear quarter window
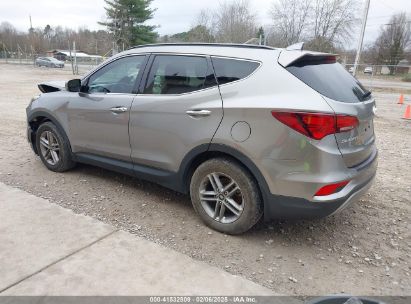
x: 329, y: 78
x: 228, y: 70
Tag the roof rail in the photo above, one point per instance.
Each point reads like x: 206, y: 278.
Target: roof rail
x: 251, y: 46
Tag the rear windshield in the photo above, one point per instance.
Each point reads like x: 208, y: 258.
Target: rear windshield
x: 329, y: 78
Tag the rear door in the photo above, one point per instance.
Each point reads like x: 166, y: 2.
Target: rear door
x: 345, y: 95
x: 178, y: 109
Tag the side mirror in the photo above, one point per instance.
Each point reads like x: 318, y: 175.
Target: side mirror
x: 73, y: 85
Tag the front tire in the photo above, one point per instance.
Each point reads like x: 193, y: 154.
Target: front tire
x: 226, y: 196
x: 53, y: 149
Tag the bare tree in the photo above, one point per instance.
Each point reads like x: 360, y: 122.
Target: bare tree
x: 324, y: 24
x: 8, y: 34
x: 201, y: 31
x: 290, y: 21
x: 39, y: 40
x: 394, y: 38
x: 234, y: 22
x: 333, y: 22
x: 204, y: 18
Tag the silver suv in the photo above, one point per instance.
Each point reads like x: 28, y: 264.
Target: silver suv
x: 245, y: 130
x: 50, y: 62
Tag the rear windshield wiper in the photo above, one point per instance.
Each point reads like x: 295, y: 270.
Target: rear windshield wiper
x: 366, y: 94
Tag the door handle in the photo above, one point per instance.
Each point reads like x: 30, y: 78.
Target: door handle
x: 198, y: 113
x: 119, y: 109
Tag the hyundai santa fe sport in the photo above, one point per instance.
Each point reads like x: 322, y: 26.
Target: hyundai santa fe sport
x: 246, y: 131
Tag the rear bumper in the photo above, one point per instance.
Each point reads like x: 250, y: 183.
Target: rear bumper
x: 285, y: 207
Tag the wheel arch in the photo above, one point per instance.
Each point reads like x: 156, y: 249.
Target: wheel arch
x: 203, y: 153
x: 37, y: 118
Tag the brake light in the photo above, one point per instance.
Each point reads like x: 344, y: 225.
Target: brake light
x: 330, y: 59
x: 331, y: 189
x: 316, y: 125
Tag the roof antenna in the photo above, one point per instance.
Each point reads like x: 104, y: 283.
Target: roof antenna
x: 299, y: 46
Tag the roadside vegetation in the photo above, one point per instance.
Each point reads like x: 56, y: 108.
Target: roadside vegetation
x: 324, y: 25
x: 407, y: 78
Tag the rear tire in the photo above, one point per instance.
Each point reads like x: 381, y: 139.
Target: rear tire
x: 226, y: 196
x: 53, y: 149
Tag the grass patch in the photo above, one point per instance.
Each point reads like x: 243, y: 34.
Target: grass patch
x: 407, y: 78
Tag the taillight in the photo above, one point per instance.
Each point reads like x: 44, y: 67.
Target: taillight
x: 331, y: 189
x: 316, y: 125
x: 346, y: 123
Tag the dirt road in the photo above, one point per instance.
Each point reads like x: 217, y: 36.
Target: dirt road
x: 364, y: 250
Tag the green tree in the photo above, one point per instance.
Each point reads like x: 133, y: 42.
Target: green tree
x: 180, y: 37
x: 126, y: 22
x: 198, y: 33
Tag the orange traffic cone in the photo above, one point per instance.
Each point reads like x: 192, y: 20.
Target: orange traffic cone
x: 401, y: 100
x: 407, y: 114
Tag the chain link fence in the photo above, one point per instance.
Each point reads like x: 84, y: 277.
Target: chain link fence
x: 367, y: 73
x: 398, y: 70
x: 78, y: 65
x: 393, y: 77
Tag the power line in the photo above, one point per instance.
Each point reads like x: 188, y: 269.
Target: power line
x: 394, y: 23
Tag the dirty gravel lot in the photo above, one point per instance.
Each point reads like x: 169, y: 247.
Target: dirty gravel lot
x: 364, y: 250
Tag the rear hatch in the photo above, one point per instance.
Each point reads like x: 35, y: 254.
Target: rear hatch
x: 343, y: 93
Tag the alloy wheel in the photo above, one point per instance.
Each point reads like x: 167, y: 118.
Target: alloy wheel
x: 221, y: 197
x: 49, y: 146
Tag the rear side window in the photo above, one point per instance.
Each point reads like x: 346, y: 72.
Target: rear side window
x: 329, y: 78
x: 170, y: 74
x: 229, y: 70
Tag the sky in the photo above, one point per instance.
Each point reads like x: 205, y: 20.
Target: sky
x: 173, y: 16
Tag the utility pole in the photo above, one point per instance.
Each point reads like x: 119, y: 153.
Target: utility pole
x: 75, y: 58
x: 71, y: 58
x: 360, y: 41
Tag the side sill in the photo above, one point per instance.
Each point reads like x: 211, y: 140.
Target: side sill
x: 104, y: 162
x: 164, y: 178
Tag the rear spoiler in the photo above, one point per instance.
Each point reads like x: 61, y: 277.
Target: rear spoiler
x: 288, y: 57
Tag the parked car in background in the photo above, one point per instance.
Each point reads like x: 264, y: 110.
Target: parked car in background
x: 368, y: 70
x: 49, y: 62
x: 245, y: 130
x: 351, y: 70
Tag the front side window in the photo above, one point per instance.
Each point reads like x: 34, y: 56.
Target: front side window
x: 116, y: 77
x: 171, y: 74
x: 229, y: 70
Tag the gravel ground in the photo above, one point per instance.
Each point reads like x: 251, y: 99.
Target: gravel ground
x: 364, y: 250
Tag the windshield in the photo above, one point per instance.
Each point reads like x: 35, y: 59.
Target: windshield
x: 328, y: 77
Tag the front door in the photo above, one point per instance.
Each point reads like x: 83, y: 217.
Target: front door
x: 99, y: 117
